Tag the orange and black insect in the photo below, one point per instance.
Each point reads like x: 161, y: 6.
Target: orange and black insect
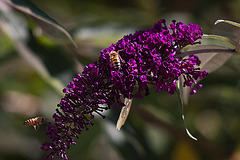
x: 35, y: 122
x: 115, y: 59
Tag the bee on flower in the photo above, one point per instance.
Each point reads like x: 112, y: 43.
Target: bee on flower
x: 115, y: 59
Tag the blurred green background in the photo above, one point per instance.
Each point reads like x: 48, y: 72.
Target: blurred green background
x: 36, y: 58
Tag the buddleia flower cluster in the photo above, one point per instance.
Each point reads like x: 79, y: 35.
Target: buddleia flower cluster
x: 147, y: 58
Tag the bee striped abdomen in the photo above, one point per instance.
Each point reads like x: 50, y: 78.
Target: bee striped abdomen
x: 115, y: 59
x: 28, y: 122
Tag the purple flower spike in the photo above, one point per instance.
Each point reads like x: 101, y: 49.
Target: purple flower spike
x: 147, y: 57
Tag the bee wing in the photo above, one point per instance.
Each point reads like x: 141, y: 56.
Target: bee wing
x: 124, y: 113
x: 40, y: 120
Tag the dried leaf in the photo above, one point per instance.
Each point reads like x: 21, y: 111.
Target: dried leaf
x: 124, y: 113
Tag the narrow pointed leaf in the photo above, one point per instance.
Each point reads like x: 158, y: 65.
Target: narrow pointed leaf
x: 29, y: 8
x: 180, y: 90
x: 227, y: 21
x: 187, y: 131
x: 211, y: 61
x: 222, y: 38
x: 181, y: 105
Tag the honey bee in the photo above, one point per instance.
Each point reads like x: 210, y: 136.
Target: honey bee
x: 124, y: 113
x: 115, y: 59
x: 35, y: 122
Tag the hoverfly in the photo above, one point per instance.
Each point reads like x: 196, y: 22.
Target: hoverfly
x: 124, y: 113
x: 35, y: 122
x: 115, y: 59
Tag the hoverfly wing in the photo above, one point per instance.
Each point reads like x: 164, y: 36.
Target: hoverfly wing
x: 124, y: 113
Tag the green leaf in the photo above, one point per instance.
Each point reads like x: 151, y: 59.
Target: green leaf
x: 181, y: 93
x: 29, y: 8
x: 227, y: 21
x: 222, y: 38
x: 212, y: 60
